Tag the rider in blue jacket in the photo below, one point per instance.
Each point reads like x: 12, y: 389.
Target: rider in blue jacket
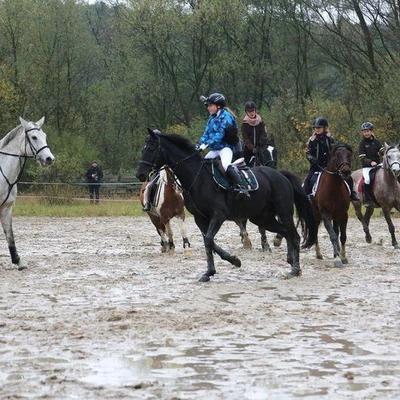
x: 221, y: 137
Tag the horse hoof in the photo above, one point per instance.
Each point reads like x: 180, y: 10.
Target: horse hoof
x: 338, y: 264
x: 396, y: 247
x: 292, y: 274
x: 22, y: 267
x: 277, y: 242
x: 236, y: 262
x: 204, y: 278
x: 345, y: 261
x: 368, y: 239
x: 320, y: 258
x: 187, y: 253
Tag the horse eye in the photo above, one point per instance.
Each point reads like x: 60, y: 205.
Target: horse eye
x: 34, y: 137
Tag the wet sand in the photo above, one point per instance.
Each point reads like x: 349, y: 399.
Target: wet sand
x: 101, y: 313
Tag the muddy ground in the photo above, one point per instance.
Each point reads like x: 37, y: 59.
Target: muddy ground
x: 102, y: 314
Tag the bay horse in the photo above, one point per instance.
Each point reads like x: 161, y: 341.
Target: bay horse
x: 386, y: 189
x: 332, y: 200
x: 168, y: 203
x: 277, y: 196
x: 21, y: 143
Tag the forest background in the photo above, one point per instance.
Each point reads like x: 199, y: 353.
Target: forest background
x: 102, y: 72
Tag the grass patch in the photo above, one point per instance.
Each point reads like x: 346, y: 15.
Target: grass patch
x: 41, y: 207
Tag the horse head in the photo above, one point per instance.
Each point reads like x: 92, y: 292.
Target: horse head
x: 151, y: 155
x: 35, y: 142
x: 391, y: 158
x: 270, y: 156
x: 340, y: 159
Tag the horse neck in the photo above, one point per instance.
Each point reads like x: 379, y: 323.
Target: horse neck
x: 12, y: 146
x: 388, y: 177
x: 188, y: 169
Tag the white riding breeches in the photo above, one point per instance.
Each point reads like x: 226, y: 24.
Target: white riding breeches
x: 365, y: 172
x: 225, y: 154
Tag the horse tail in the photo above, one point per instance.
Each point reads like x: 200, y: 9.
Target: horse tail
x: 304, y: 210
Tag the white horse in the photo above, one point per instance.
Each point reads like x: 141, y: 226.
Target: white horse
x: 25, y: 141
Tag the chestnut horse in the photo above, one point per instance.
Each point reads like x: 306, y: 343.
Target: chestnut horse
x: 386, y: 189
x: 332, y: 200
x: 168, y: 203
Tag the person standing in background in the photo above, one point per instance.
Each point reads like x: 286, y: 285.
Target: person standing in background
x: 94, y: 175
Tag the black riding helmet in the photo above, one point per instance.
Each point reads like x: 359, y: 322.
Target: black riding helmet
x: 319, y: 121
x: 216, y: 98
x: 367, y: 126
x: 250, y: 105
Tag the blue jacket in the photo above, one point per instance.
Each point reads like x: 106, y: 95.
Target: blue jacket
x: 213, y: 135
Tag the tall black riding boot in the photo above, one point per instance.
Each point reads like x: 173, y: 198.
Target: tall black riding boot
x: 353, y: 194
x: 243, y: 192
x: 367, y: 192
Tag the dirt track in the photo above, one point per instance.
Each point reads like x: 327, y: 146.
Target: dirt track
x: 101, y: 313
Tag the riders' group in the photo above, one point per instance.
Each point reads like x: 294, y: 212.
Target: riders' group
x: 221, y: 138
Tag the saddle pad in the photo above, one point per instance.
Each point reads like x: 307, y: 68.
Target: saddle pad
x: 247, y: 175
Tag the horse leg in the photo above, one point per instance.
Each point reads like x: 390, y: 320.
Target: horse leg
x: 361, y: 218
x: 264, y: 241
x: 386, y: 214
x: 343, y: 238
x: 278, y: 240
x: 286, y: 227
x: 337, y: 262
x: 182, y: 226
x: 211, y: 228
x: 367, y: 217
x: 6, y: 222
x: 244, y: 235
x: 164, y: 243
x: 171, y: 244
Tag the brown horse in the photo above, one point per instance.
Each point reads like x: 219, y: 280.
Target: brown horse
x: 332, y: 200
x: 386, y: 190
x: 168, y: 203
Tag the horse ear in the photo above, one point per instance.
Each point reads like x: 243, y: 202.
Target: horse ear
x: 24, y: 123
x: 151, y: 132
x: 386, y: 145
x: 40, y: 122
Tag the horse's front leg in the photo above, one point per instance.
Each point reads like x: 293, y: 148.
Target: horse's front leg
x: 6, y: 222
x: 171, y: 244
x: 210, y: 228
x: 343, y: 238
x: 337, y: 261
x: 386, y: 214
x: 182, y: 226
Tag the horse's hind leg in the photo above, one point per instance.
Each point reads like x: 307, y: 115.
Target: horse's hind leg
x: 386, y: 214
x: 364, y: 219
x: 164, y: 242
x: 6, y: 222
x: 264, y: 241
x: 343, y: 238
x: 244, y: 235
x: 182, y: 226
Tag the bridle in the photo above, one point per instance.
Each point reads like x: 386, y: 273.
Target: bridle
x: 390, y: 165
x: 339, y: 166
x: 34, y: 152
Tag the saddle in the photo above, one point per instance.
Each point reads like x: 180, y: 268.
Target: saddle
x: 220, y: 178
x: 372, y: 175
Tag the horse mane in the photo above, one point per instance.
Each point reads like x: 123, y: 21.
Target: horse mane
x: 10, y: 136
x: 182, y: 141
x: 341, y: 144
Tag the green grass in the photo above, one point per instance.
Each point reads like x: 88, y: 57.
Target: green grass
x: 42, y: 207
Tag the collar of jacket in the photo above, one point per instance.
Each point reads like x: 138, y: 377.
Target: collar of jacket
x: 314, y: 136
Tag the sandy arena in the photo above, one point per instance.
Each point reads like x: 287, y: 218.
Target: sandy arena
x: 102, y: 314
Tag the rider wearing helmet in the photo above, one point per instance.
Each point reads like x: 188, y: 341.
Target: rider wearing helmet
x: 370, y: 153
x: 221, y: 137
x: 318, y: 148
x: 255, y: 140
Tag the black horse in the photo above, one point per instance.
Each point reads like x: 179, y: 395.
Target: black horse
x: 270, y: 207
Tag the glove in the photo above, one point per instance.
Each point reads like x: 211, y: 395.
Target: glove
x: 255, y: 150
x: 202, y: 147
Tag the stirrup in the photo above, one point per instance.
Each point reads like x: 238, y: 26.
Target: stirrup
x: 354, y: 196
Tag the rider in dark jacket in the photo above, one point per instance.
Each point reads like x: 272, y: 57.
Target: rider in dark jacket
x: 370, y: 154
x: 318, y: 148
